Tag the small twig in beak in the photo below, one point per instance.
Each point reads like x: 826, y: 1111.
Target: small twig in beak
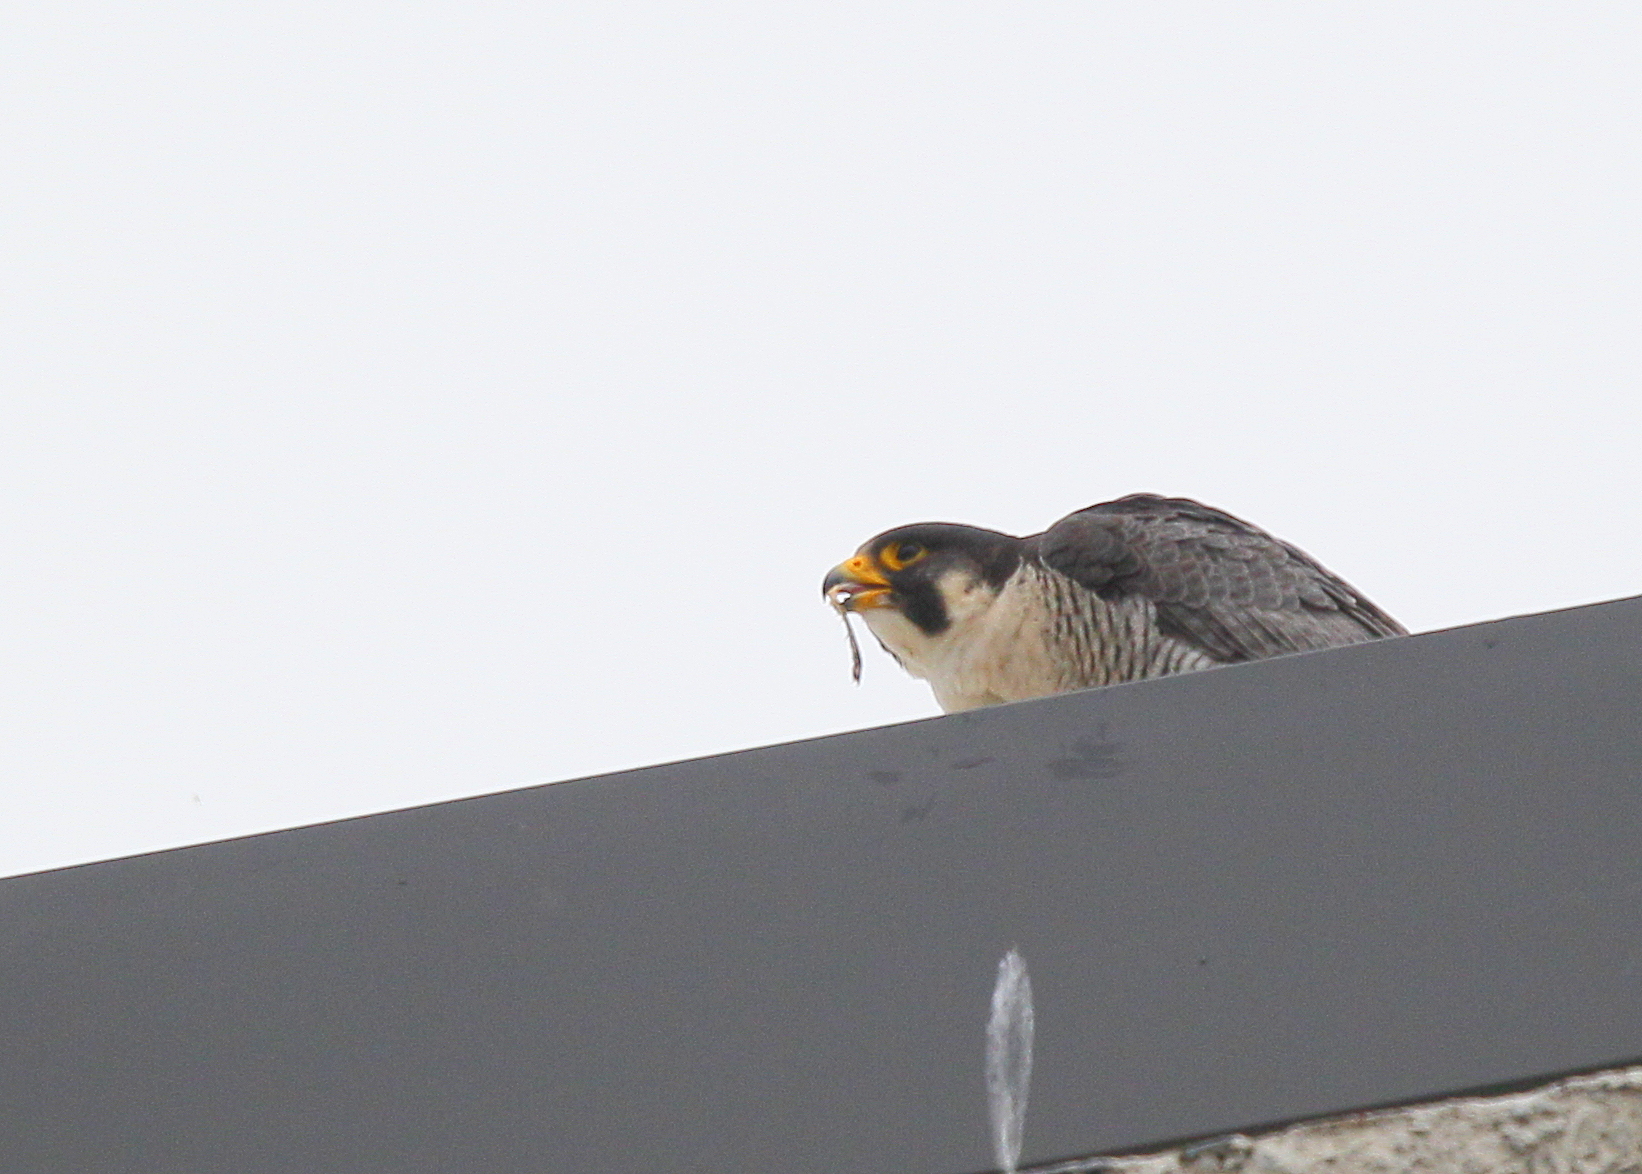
x: 855, y: 646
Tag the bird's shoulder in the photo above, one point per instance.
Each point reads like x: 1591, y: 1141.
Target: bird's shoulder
x: 1166, y: 547
x: 1217, y: 581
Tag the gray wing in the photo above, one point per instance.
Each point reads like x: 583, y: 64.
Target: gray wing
x: 1217, y: 583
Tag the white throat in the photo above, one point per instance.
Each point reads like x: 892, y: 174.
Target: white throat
x: 961, y: 662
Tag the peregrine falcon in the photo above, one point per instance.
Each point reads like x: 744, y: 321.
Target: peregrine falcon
x: 1130, y: 589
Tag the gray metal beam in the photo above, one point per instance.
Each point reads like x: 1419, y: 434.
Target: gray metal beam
x: 1290, y: 888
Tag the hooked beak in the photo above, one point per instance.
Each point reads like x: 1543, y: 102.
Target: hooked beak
x: 856, y: 584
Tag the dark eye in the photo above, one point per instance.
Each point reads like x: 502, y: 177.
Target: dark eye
x: 900, y: 555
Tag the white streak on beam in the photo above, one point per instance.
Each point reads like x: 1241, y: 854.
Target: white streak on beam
x: 1009, y: 1058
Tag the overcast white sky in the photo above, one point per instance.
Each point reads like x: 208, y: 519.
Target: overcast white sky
x: 407, y: 401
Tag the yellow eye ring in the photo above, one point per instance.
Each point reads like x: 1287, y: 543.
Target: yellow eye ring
x: 897, y: 556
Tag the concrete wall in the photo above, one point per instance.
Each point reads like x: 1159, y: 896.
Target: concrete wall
x: 1590, y: 1124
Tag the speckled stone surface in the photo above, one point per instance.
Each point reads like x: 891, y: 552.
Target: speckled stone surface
x: 1589, y: 1124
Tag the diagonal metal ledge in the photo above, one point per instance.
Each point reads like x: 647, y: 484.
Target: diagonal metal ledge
x: 1256, y: 894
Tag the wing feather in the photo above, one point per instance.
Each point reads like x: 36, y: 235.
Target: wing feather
x: 1216, y: 582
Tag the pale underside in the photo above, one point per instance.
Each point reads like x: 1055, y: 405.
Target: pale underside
x: 1041, y: 634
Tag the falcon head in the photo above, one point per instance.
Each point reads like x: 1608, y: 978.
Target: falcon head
x: 917, y: 587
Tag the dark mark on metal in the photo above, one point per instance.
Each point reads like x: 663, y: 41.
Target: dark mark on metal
x: 1090, y: 759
